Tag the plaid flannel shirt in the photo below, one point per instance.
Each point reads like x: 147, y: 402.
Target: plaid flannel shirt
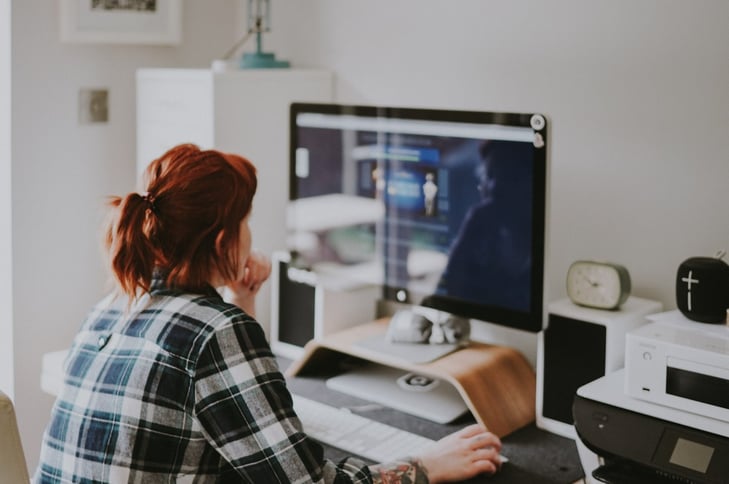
x: 179, y: 388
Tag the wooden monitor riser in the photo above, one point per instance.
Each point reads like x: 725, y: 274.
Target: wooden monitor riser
x: 497, y: 383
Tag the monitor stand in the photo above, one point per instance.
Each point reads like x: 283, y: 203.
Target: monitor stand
x: 496, y: 383
x: 417, y: 394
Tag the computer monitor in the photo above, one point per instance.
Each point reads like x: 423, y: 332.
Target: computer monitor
x: 442, y: 208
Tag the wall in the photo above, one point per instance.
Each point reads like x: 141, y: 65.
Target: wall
x: 6, y: 286
x: 62, y: 172
x: 636, y: 93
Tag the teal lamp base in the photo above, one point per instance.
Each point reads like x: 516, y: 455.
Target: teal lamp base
x: 261, y: 60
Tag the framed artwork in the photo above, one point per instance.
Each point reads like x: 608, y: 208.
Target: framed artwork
x: 153, y: 22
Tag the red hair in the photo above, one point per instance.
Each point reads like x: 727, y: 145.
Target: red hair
x: 187, y: 224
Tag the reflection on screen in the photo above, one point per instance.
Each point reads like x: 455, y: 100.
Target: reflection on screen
x: 444, y: 209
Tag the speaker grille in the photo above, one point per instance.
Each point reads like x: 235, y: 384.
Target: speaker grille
x: 295, y: 309
x: 574, y: 354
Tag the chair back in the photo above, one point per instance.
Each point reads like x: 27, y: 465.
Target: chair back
x: 13, y: 468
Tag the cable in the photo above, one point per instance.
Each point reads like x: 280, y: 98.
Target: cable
x: 255, y: 30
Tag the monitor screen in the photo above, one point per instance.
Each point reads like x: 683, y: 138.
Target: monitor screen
x: 444, y: 209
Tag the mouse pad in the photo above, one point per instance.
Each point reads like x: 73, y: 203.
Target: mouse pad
x: 410, y: 352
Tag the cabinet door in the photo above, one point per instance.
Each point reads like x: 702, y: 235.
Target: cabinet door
x: 173, y: 106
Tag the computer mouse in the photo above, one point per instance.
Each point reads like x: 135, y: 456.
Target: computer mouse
x: 407, y: 326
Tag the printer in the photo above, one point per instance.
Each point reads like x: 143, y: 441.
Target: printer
x: 640, y: 442
x: 680, y: 363
x: 664, y: 417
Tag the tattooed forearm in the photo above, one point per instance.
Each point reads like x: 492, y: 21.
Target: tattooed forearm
x: 409, y: 471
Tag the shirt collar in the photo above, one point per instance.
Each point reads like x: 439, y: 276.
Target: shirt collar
x: 158, y: 285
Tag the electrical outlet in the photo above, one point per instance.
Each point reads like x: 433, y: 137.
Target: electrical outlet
x: 93, y: 106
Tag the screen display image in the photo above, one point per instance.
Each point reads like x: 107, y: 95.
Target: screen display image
x: 691, y: 455
x: 444, y: 209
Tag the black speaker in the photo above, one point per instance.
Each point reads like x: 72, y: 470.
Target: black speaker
x: 574, y: 354
x: 580, y: 345
x: 307, y: 305
x: 702, y: 289
x: 295, y: 304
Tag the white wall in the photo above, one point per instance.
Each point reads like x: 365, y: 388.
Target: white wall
x: 636, y: 93
x: 6, y: 274
x: 62, y: 172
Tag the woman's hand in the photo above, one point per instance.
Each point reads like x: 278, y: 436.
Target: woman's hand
x: 463, y: 455
x: 256, y: 270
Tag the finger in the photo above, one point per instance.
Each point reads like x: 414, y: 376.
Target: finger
x: 253, y: 266
x: 486, y: 453
x: 259, y: 274
x: 256, y: 263
x: 246, y: 275
x: 485, y: 440
x: 256, y: 278
x: 265, y: 267
x: 471, y: 430
x: 485, y: 467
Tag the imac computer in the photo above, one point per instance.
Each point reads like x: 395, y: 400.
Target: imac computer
x: 443, y: 209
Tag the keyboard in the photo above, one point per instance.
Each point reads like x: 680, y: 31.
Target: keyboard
x: 356, y: 434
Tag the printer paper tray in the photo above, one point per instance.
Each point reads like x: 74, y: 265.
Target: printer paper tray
x: 626, y: 472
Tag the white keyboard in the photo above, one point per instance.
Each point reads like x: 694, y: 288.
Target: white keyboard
x: 355, y: 434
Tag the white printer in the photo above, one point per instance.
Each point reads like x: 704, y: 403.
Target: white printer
x: 680, y: 363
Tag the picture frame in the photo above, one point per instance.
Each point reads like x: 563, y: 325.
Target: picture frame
x: 150, y: 22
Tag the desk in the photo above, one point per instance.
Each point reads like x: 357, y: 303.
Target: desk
x: 535, y: 456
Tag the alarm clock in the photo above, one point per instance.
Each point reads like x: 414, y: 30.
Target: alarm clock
x: 702, y: 289
x: 600, y: 285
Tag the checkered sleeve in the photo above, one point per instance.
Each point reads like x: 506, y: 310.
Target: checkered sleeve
x: 247, y: 413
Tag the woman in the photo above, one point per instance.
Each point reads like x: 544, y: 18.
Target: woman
x: 167, y: 382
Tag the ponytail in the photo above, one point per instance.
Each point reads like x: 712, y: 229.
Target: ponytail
x: 132, y: 254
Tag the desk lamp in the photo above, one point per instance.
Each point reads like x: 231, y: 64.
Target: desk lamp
x: 259, y: 21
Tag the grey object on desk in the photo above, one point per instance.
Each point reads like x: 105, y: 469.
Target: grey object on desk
x: 406, y: 326
x: 409, y: 326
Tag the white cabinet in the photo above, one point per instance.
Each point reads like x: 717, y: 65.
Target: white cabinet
x: 241, y: 111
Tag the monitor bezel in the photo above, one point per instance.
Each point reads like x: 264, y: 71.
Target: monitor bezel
x: 531, y: 320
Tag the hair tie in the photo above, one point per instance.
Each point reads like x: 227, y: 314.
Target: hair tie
x: 149, y: 200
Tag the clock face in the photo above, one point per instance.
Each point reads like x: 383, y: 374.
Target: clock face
x: 597, y: 284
